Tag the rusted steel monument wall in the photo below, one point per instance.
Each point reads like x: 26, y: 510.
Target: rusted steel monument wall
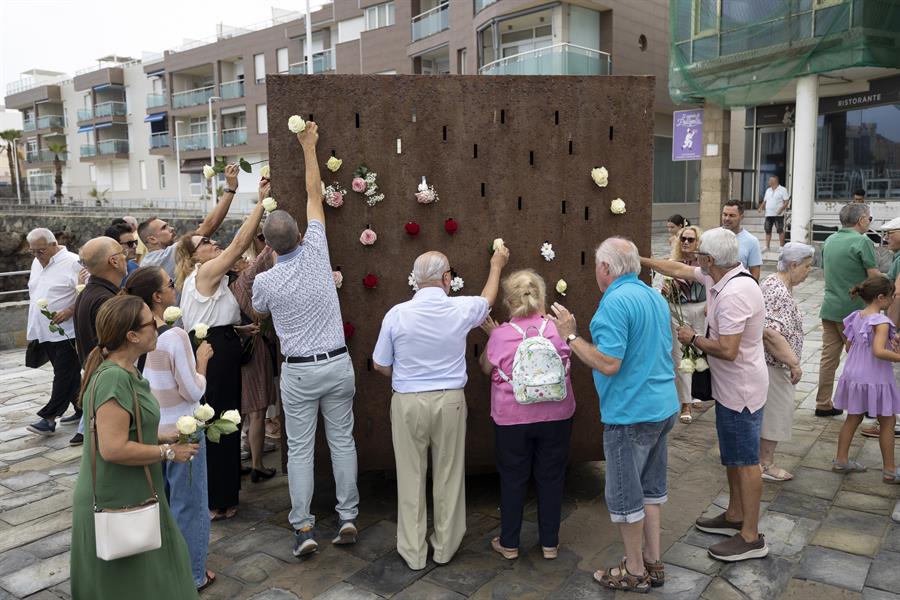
x: 510, y: 157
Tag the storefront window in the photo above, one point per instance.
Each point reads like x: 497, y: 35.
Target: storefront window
x: 673, y: 181
x: 859, y: 149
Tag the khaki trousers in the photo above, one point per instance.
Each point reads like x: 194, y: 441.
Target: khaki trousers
x: 833, y: 341
x: 419, y: 420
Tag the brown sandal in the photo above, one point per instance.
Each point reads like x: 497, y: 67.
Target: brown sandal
x: 657, y: 572
x: 618, y: 578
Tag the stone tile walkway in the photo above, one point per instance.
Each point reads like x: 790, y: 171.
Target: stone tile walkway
x: 831, y: 536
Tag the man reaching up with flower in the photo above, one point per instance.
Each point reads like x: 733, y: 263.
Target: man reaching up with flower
x: 317, y: 373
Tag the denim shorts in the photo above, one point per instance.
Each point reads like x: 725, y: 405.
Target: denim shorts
x: 636, y: 461
x: 738, y: 435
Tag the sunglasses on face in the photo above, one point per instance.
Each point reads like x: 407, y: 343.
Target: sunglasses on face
x: 142, y: 325
x: 261, y: 237
x: 130, y: 244
x: 687, y: 240
x: 38, y: 252
x: 203, y: 240
x: 451, y: 271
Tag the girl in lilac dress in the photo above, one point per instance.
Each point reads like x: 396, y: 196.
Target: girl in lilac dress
x: 867, y: 383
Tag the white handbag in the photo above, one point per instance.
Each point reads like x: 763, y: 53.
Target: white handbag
x: 128, y: 530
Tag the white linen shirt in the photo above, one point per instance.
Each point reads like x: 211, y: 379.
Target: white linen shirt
x: 424, y: 340
x: 56, y: 284
x: 775, y: 199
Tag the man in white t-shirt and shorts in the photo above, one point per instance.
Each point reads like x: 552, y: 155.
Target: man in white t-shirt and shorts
x: 775, y: 202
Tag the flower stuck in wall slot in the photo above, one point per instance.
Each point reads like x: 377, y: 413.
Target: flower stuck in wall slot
x: 426, y: 193
x: 367, y: 237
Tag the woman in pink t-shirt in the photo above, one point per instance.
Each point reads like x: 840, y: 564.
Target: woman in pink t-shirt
x: 528, y: 437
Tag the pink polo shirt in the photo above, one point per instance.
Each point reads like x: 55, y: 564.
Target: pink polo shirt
x: 731, y: 309
x: 501, y: 350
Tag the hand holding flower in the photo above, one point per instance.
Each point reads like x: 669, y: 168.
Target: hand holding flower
x: 685, y: 334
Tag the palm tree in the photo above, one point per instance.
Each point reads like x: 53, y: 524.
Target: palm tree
x: 8, y: 135
x: 57, y: 149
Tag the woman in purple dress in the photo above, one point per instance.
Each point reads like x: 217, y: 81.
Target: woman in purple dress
x: 867, y: 384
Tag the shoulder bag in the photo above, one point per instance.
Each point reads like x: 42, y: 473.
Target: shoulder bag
x: 130, y: 530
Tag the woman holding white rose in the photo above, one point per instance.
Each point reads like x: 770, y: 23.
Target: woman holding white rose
x: 178, y: 382
x: 206, y: 302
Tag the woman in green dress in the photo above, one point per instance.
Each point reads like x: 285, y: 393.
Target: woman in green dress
x: 125, y: 330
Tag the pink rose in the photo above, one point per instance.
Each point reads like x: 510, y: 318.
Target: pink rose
x: 358, y: 184
x: 336, y: 200
x: 423, y: 197
x: 368, y: 237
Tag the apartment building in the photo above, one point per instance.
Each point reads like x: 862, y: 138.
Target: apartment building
x: 142, y: 128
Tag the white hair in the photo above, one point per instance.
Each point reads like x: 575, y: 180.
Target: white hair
x: 40, y: 234
x: 430, y: 268
x: 620, y: 255
x: 792, y: 253
x: 722, y: 245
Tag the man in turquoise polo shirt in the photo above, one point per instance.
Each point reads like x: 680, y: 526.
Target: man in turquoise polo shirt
x: 848, y: 258
x: 631, y: 356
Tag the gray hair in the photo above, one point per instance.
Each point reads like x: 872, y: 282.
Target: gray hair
x: 722, y: 245
x: 40, y: 234
x: 132, y: 222
x: 793, y: 253
x: 852, y: 213
x: 281, y: 231
x: 620, y: 255
x: 430, y: 268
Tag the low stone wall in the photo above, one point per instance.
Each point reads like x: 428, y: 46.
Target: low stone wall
x: 13, y: 323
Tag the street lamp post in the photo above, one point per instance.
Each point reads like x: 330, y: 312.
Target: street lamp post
x: 212, y: 147
x: 178, y: 161
x: 309, y: 59
x: 15, y: 155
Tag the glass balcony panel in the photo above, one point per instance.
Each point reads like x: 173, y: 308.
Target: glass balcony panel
x: 192, y: 97
x: 85, y: 114
x: 50, y: 121
x: 88, y: 150
x: 323, y: 61
x: 431, y: 21
x: 156, y: 100
x: 560, y: 59
x: 234, y: 137
x: 110, y: 109
x: 36, y: 156
x: 159, y: 140
x: 105, y: 147
x: 480, y: 4
x: 297, y: 68
x: 196, y: 141
x: 29, y: 125
x: 231, y: 89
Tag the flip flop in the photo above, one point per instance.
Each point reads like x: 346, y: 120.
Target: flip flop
x: 850, y: 467
x: 210, y: 579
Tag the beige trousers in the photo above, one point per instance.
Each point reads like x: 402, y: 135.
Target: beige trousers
x: 419, y: 420
x: 694, y: 314
x: 833, y: 341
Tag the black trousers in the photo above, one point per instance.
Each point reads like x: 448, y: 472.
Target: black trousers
x: 540, y: 450
x: 66, y: 378
x: 223, y: 392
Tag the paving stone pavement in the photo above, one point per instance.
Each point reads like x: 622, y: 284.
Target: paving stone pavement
x: 830, y: 536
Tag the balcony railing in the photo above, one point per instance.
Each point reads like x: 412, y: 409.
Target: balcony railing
x: 159, y: 140
x: 559, y: 59
x: 431, y: 21
x: 231, y: 89
x: 37, y: 156
x: 196, y: 141
x: 322, y: 63
x: 105, y: 147
x: 481, y: 4
x: 156, y: 100
x: 48, y: 121
x: 85, y: 114
x: 88, y: 150
x: 110, y: 109
x: 234, y: 137
x: 192, y: 97
x: 29, y: 125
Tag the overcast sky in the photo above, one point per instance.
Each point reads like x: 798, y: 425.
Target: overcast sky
x: 67, y: 35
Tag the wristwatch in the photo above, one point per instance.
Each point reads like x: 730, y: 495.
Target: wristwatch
x: 168, y: 453
x: 571, y: 338
x: 228, y: 190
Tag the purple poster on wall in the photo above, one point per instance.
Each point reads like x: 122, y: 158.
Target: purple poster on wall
x: 687, y: 134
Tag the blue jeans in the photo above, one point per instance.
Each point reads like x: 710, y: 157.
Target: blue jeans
x: 738, y: 436
x: 187, y: 494
x: 328, y: 385
x: 636, y: 461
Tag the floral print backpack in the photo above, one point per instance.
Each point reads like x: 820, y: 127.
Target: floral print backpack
x: 538, y: 373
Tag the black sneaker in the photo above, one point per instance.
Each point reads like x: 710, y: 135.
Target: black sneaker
x: 77, y: 440
x: 828, y: 412
x: 43, y: 427
x: 72, y: 419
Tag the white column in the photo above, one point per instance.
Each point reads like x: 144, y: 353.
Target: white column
x: 804, y: 172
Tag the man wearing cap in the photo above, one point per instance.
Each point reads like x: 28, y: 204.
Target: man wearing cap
x: 891, y: 231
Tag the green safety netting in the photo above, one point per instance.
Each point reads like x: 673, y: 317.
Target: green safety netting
x: 742, y: 52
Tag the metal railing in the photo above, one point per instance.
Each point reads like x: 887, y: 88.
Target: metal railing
x: 159, y: 139
x: 193, y: 97
x: 195, y: 141
x: 48, y: 121
x: 234, y: 137
x: 156, y: 100
x: 105, y: 147
x: 431, y: 21
x: 110, y: 109
x: 558, y: 59
x: 29, y: 125
x: 232, y: 89
x: 5, y: 293
x: 322, y: 62
x: 44, y: 156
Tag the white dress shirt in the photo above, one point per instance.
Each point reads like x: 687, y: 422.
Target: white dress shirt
x: 775, y: 200
x: 424, y: 340
x: 55, y: 283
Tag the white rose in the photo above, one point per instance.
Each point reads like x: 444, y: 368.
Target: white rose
x: 617, y: 206
x: 296, y: 124
x: 204, y: 413
x: 498, y: 243
x: 457, y: 284
x: 233, y: 416
x: 701, y: 365
x: 338, y: 278
x: 42, y: 303
x: 269, y: 204
x: 561, y: 287
x: 600, y: 176
x: 79, y: 288
x: 200, y: 331
x: 687, y: 365
x: 547, y: 251
x: 186, y: 425
x: 265, y: 171
x: 171, y: 314
x: 208, y: 172
x: 334, y: 164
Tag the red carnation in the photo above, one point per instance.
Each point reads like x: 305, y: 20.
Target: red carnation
x: 370, y: 281
x: 450, y: 226
x: 349, y: 330
x: 412, y: 229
